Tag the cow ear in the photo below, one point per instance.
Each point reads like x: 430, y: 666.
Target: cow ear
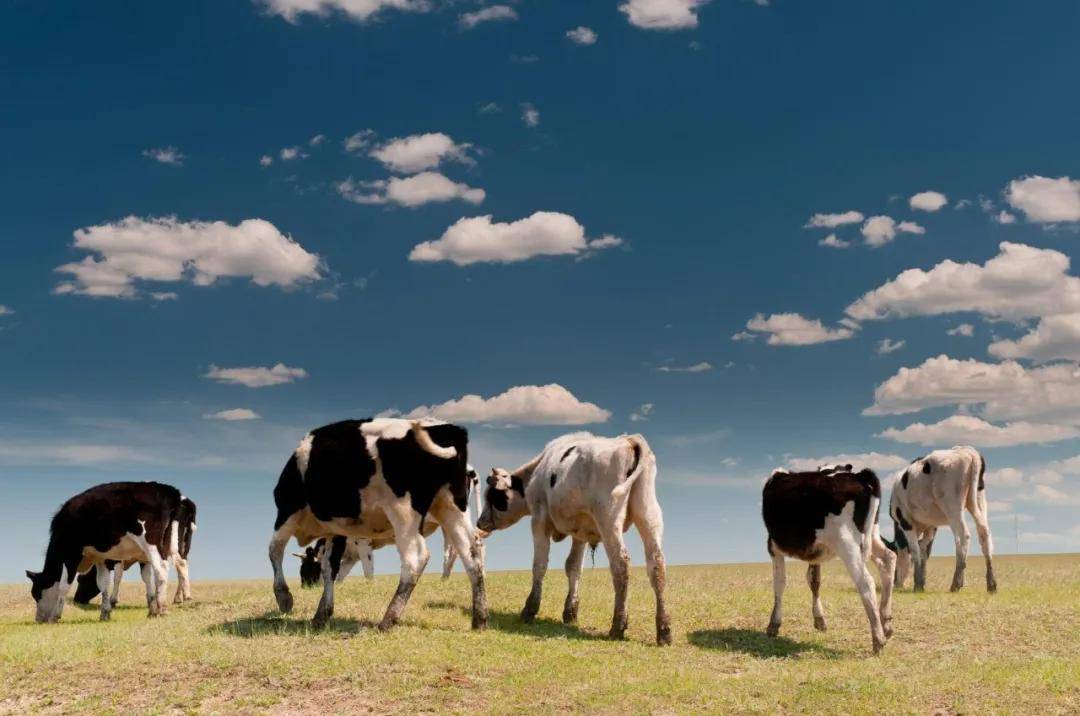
x: 32, y: 575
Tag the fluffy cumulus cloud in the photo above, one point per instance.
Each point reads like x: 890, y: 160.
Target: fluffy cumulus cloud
x: 834, y: 243
x: 358, y: 141
x: 233, y: 414
x: 662, y: 14
x: 257, y: 376
x: 880, y: 230
x: 582, y: 35
x: 876, y: 461
x: 701, y: 367
x: 521, y: 405
x: 169, y: 250
x: 969, y: 430
x: 410, y: 191
x: 1020, y: 282
x: 420, y: 152
x: 643, y: 412
x: 1045, y: 200
x: 928, y: 201
x: 360, y: 10
x: 1054, y: 337
x: 792, y: 329
x: 964, y: 329
x: 166, y: 155
x: 491, y: 13
x: 480, y: 240
x: 831, y: 221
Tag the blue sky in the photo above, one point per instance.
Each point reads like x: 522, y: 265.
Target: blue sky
x: 648, y: 196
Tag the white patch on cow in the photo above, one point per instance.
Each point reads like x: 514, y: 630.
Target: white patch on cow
x: 303, y: 454
x: 174, y: 538
x: 371, y: 442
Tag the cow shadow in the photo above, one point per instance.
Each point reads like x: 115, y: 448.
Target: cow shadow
x: 755, y: 643
x: 510, y: 623
x: 274, y: 624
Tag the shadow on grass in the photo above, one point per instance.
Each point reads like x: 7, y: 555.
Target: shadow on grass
x: 510, y: 622
x: 755, y: 643
x: 273, y: 624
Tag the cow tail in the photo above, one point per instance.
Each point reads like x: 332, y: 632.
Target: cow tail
x: 977, y: 485
x: 642, y: 459
x: 430, y: 446
x: 870, y: 526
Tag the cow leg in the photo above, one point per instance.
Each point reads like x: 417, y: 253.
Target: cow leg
x: 117, y: 577
x: 650, y: 525
x: 460, y: 533
x: 918, y: 560
x: 962, y: 539
x: 278, y: 542
x: 367, y: 561
x: 926, y: 543
x: 813, y: 578
x: 448, y: 557
x: 903, y: 567
x: 986, y: 542
x: 104, y: 577
x: 183, y: 584
x: 573, y: 577
x: 886, y: 563
x: 849, y: 548
x: 414, y: 558
x: 541, y: 551
x: 147, y: 574
x: 619, y: 561
x: 349, y: 557
x: 779, y: 579
x: 331, y: 565
x: 160, y: 569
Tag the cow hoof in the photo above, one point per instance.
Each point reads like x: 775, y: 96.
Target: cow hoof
x: 320, y: 620
x: 663, y: 637
x: 528, y: 615
x: 105, y: 616
x: 114, y: 602
x: 878, y: 646
x: 772, y: 630
x: 991, y: 586
x: 887, y: 628
x: 479, y: 622
x: 386, y: 625
x: 569, y: 616
x: 956, y: 587
x: 918, y: 588
x: 617, y: 633
x: 819, y: 623
x: 284, y: 600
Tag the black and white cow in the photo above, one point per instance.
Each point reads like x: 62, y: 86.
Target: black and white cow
x: 815, y: 516
x: 122, y: 521
x: 933, y: 492
x: 593, y: 489
x: 87, y: 585
x: 378, y: 479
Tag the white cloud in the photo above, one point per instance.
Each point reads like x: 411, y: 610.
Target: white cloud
x: 1020, y: 282
x: 530, y: 115
x: 1054, y: 337
x: 833, y: 242
x: 32, y: 453
x: 360, y: 10
x: 832, y: 221
x: 582, y: 35
x: 964, y: 329
x: 1070, y: 536
x: 1004, y: 217
x: 411, y: 191
x: 288, y: 154
x: 491, y: 13
x: 662, y: 14
x: 888, y: 345
x: 478, y: 239
x: 969, y: 430
x: 701, y: 367
x: 232, y: 415
x: 1048, y: 495
x: 1005, y: 477
x: 166, y: 249
x: 358, y: 141
x: 166, y: 155
x: 266, y: 160
x: 521, y: 405
x: 643, y: 412
x: 928, y: 201
x: 489, y: 108
x: 910, y: 227
x: 164, y: 295
x: 792, y: 329
x: 419, y: 152
x: 317, y: 140
x: 878, y: 462
x: 5, y: 311
x: 256, y: 376
x: 880, y: 230
x: 1045, y: 200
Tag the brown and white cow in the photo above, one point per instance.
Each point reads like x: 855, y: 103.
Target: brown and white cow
x: 592, y: 489
x: 933, y: 492
x: 377, y: 479
x: 816, y: 516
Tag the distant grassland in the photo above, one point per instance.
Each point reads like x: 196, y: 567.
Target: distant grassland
x: 230, y: 652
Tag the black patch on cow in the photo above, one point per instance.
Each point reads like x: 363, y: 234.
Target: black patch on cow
x: 900, y: 518
x: 310, y: 568
x: 768, y: 547
x: 899, y: 537
x: 553, y: 478
x: 637, y: 457
x: 926, y: 467
x: 99, y: 518
x: 498, y: 499
x: 86, y: 587
x: 337, y: 549
x: 567, y: 453
x: 517, y: 485
x: 903, y: 480
x: 982, y: 472
x: 794, y: 505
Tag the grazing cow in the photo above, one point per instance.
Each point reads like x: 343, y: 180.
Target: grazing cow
x: 932, y: 492
x: 377, y: 479
x: 122, y: 521
x: 815, y: 516
x: 591, y: 488
x: 87, y: 585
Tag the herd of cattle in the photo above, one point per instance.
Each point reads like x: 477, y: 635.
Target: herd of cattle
x: 357, y: 485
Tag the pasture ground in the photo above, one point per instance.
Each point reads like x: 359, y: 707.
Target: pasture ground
x: 229, y: 652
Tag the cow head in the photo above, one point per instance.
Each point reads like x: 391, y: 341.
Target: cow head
x: 504, y: 501
x: 310, y: 568
x: 47, y: 596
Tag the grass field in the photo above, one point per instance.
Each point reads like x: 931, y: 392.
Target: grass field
x: 229, y: 651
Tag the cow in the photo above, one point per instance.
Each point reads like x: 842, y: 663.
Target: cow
x: 377, y: 479
x: 932, y: 492
x: 87, y: 585
x: 122, y: 521
x: 362, y: 550
x: 592, y: 489
x: 815, y: 516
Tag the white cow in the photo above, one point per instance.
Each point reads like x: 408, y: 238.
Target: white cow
x: 591, y: 488
x: 933, y: 492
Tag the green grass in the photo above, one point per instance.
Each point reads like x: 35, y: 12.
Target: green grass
x: 1014, y: 652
